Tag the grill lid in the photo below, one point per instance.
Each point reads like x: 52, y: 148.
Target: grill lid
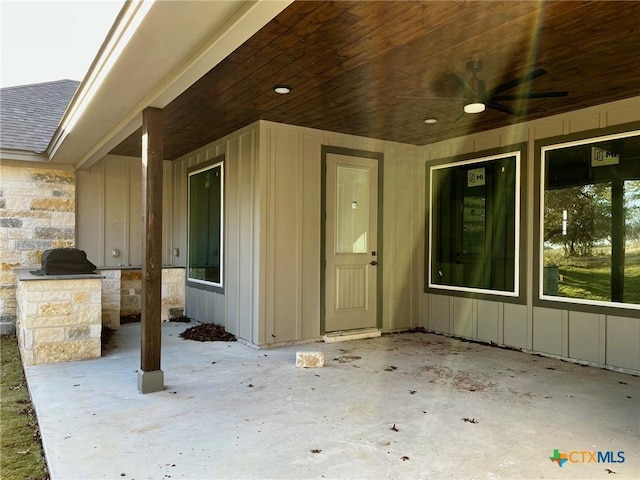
x: 64, y: 261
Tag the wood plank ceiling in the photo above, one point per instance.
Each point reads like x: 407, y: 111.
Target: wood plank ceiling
x: 350, y: 62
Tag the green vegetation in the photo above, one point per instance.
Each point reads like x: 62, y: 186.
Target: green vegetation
x: 590, y: 277
x: 580, y: 223
x: 22, y: 456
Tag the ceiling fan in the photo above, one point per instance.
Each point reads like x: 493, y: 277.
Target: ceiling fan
x: 476, y: 98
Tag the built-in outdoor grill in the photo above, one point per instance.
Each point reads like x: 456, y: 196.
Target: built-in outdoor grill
x: 64, y: 261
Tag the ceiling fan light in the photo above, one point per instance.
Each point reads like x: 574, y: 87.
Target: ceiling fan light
x: 475, y: 107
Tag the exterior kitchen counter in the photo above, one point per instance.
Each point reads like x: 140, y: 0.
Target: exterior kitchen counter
x: 59, y: 317
x: 132, y: 267
x: 25, y: 275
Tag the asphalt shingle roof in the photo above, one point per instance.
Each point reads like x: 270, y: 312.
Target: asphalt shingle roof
x: 30, y: 114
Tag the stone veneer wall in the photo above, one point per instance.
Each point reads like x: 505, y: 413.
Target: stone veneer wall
x: 37, y: 213
x: 173, y: 291
x: 59, y: 320
x: 121, y: 294
x: 130, y: 292
x: 111, y: 298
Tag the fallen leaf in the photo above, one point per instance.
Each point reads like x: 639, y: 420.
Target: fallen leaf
x: 390, y: 368
x: 316, y: 450
x: 404, y: 458
x: 610, y: 471
x: 24, y: 452
x: 250, y: 385
x: 412, y: 392
x: 470, y: 420
x: 394, y: 428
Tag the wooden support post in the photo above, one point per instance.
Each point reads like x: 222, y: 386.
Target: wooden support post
x: 150, y: 376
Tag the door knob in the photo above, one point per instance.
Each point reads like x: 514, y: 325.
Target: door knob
x: 374, y: 263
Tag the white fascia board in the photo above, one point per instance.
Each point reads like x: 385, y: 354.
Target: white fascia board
x: 234, y: 30
x: 127, y: 22
x: 22, y: 156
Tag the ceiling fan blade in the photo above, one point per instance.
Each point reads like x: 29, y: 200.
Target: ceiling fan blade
x: 505, y: 109
x: 517, y: 81
x: 520, y: 96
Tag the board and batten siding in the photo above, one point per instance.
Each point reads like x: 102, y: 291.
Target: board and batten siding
x: 109, y: 211
x: 292, y: 185
x: 272, y: 232
x: 236, y: 308
x: 608, y: 340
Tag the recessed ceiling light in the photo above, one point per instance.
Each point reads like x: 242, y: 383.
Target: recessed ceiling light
x: 282, y: 89
x: 431, y: 120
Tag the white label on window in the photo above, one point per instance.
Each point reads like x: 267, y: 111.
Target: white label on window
x: 601, y: 157
x: 475, y: 177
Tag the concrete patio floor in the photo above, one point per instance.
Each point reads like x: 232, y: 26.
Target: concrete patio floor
x: 390, y: 407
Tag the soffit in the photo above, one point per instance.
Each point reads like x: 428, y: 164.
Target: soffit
x: 349, y: 62
x: 175, y: 44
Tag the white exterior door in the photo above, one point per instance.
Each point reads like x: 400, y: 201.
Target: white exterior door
x: 351, y: 242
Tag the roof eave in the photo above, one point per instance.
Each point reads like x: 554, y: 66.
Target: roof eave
x: 22, y: 155
x: 108, y: 104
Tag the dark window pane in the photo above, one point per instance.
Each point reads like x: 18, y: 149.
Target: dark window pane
x: 632, y: 242
x: 205, y: 225
x: 473, y: 225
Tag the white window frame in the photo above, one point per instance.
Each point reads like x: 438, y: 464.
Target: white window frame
x: 209, y: 166
x: 502, y: 293
x: 543, y: 160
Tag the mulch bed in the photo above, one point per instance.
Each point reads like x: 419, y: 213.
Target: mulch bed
x: 137, y: 317
x: 208, y: 332
x: 205, y: 332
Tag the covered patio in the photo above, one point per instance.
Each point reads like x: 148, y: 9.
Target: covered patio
x: 404, y: 405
